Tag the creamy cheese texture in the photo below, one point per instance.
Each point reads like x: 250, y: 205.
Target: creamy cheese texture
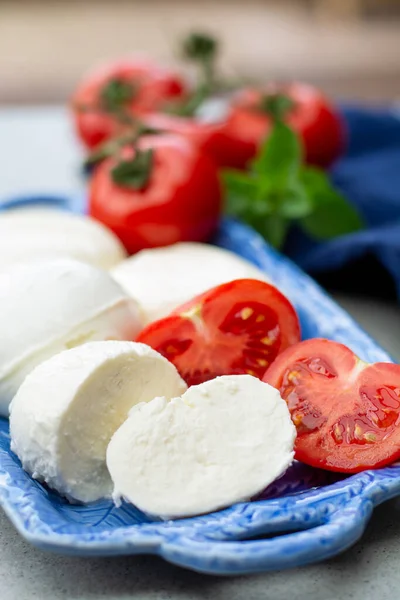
x: 67, y: 409
x: 161, y: 279
x: 222, y: 442
x: 46, y: 233
x: 50, y: 306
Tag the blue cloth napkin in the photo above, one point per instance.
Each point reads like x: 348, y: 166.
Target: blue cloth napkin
x: 369, y: 176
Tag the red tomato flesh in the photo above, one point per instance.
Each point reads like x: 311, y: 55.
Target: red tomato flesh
x: 347, y: 412
x: 235, y: 328
x: 181, y: 202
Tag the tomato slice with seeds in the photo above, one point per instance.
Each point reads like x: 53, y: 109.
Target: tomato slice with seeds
x: 235, y: 328
x: 346, y: 411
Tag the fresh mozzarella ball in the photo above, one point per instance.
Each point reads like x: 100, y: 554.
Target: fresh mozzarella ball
x: 67, y: 409
x: 222, y: 442
x: 45, y: 233
x: 161, y: 279
x: 46, y: 307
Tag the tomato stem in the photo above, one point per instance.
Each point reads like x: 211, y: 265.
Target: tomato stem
x: 200, y: 49
x: 275, y: 105
x: 116, y: 94
x: 134, y: 173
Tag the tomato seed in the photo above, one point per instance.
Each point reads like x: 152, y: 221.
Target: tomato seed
x: 246, y: 313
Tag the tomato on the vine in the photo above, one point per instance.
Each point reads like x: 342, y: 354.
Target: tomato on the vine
x: 311, y: 116
x: 347, y: 412
x: 234, y: 139
x: 161, y: 192
x: 235, y: 328
x: 109, y: 95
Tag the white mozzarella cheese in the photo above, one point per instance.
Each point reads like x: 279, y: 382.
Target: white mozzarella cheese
x: 222, y: 442
x: 161, y: 279
x: 67, y: 409
x: 45, y: 233
x: 47, y: 307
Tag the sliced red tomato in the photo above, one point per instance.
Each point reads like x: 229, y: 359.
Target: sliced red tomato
x: 139, y: 86
x: 178, y: 199
x: 312, y: 116
x: 347, y: 412
x: 235, y: 328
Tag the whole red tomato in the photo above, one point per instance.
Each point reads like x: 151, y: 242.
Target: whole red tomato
x: 163, y: 192
x: 312, y: 117
x: 234, y: 138
x: 125, y: 87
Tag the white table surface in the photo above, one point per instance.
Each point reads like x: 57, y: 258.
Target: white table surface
x: 38, y: 154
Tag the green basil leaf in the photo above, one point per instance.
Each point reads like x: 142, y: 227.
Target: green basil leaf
x: 296, y: 203
x: 332, y: 218
x: 240, y: 193
x: 274, y: 229
x: 279, y: 158
x: 315, y: 181
x: 279, y: 190
x: 332, y: 213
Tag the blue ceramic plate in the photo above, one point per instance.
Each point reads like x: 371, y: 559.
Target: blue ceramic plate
x: 306, y: 516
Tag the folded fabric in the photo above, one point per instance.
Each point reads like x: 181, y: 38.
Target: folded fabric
x: 369, y: 176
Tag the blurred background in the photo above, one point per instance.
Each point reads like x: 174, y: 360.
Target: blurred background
x: 351, y: 48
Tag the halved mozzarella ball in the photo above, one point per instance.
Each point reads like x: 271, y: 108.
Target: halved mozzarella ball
x: 161, y: 279
x: 47, y: 307
x: 67, y: 409
x: 46, y: 233
x: 222, y: 442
